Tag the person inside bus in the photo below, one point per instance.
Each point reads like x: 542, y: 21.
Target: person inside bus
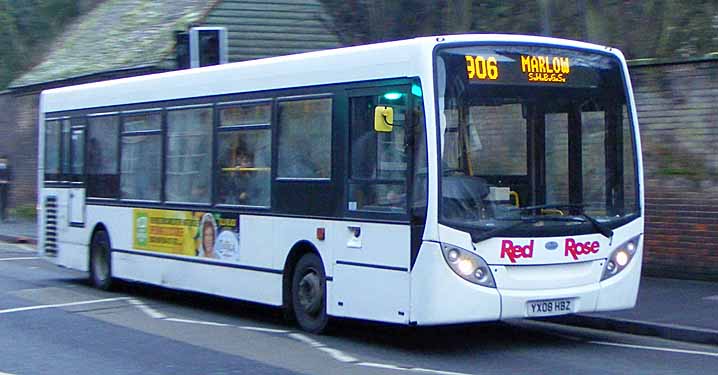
x: 243, y: 184
x: 244, y: 159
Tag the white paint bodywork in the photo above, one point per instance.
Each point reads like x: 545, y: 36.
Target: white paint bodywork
x: 427, y: 293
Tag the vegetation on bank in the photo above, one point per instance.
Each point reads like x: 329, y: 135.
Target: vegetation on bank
x: 667, y: 29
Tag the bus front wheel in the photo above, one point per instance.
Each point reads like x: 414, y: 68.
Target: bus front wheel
x: 100, y: 261
x: 309, y: 294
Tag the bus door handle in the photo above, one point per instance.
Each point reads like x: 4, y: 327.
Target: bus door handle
x: 354, y: 240
x: 355, y: 230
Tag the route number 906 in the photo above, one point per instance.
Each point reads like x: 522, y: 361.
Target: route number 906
x: 481, y: 68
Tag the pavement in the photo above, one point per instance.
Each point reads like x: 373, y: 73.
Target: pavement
x: 684, y: 310
x: 18, y: 231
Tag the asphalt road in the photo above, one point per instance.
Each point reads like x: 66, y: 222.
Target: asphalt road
x: 53, y: 322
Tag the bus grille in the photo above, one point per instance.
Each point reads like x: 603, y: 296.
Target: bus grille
x: 51, y: 226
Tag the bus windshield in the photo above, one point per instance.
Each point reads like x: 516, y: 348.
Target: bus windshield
x: 535, y: 140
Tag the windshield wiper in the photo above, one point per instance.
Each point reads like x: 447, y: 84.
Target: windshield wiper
x: 602, y: 228
x: 521, y: 220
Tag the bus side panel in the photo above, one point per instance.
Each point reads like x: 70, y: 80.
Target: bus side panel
x: 250, y: 285
x: 440, y: 296
x: 288, y: 232
x: 71, y: 241
x: 371, y: 294
x: 236, y: 280
x: 371, y: 271
x: 255, y: 241
x: 621, y: 291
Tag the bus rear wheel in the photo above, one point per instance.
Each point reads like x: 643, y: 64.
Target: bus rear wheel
x: 100, y: 261
x: 309, y: 294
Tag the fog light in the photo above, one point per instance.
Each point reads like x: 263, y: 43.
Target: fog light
x: 622, y: 258
x: 466, y: 267
x: 453, y: 255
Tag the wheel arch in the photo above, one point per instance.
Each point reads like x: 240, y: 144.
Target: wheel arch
x: 298, y: 250
x: 98, y: 227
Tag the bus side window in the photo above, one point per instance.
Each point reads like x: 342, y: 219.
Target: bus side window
x: 305, y: 139
x: 188, y: 156
x: 102, y: 155
x: 244, y: 157
x: 141, y: 150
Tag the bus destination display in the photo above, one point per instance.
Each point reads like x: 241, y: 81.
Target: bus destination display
x: 538, y: 69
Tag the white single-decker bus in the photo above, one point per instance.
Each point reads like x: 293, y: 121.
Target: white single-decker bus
x: 429, y: 181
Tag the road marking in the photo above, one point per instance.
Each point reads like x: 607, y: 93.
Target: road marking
x: 338, y: 355
x: 28, y: 248
x: 414, y: 369
x: 711, y: 298
x: 23, y: 247
x: 335, y: 353
x: 214, y: 324
x: 146, y: 309
x: 656, y: 348
x: 260, y: 329
x: 19, y: 258
x: 40, y: 307
x: 306, y: 340
x: 197, y: 322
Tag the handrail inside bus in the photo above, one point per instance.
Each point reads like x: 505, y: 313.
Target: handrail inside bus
x: 246, y: 169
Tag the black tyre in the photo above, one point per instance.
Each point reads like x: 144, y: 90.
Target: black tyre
x: 100, y: 261
x: 309, y: 294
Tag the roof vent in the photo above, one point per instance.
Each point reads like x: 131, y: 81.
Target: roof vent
x: 202, y: 46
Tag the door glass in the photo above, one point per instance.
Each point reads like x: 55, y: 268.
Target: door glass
x: 377, y: 180
x: 78, y: 153
x: 65, y: 147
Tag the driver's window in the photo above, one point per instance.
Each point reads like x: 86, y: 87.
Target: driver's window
x: 452, y: 143
x: 378, y: 163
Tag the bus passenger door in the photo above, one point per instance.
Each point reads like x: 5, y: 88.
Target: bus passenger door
x: 372, y: 256
x: 76, y: 200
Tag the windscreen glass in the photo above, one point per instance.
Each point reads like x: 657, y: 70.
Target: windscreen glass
x: 534, y: 138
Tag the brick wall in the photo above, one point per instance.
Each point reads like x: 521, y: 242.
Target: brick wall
x: 18, y: 124
x: 678, y: 116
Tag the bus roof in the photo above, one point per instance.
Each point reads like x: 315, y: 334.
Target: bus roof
x: 404, y: 58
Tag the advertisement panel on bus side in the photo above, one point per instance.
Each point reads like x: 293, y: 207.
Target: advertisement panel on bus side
x: 189, y: 233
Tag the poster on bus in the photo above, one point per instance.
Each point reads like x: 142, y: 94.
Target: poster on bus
x: 190, y: 233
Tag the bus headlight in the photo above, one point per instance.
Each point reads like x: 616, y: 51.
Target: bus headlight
x: 620, y: 258
x: 468, y: 265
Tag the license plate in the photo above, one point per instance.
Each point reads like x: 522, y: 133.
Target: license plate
x: 550, y: 307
